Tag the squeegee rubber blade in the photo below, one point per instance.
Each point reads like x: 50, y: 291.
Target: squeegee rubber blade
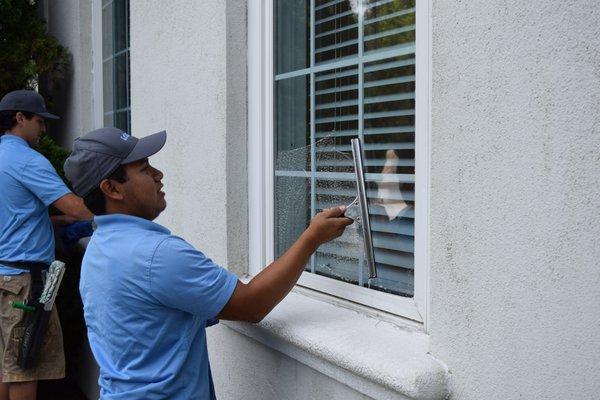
x: 357, y: 155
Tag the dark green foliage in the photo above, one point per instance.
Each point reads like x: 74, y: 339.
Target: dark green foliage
x: 27, y: 51
x: 29, y: 54
x: 55, y: 153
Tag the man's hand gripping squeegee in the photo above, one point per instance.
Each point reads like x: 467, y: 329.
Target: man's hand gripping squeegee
x: 38, y: 316
x: 358, y: 210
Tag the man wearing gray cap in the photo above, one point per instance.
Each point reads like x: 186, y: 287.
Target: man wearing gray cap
x: 148, y: 295
x: 29, y: 186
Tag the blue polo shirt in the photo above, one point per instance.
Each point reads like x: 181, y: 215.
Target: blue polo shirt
x: 29, y: 184
x: 147, y: 298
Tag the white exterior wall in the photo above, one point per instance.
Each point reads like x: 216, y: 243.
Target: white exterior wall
x: 70, y: 22
x: 515, y: 219
x: 188, y: 79
x: 515, y: 284
x: 245, y: 369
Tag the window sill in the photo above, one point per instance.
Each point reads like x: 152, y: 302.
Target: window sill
x: 380, y: 359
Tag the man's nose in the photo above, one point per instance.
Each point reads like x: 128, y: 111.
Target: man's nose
x: 158, y: 175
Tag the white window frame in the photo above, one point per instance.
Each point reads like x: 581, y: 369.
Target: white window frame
x: 97, y: 77
x: 261, y: 173
x: 97, y: 66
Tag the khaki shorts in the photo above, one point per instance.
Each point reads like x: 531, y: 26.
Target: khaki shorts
x: 51, y: 360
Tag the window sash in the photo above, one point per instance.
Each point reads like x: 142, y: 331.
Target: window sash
x: 113, y: 71
x: 262, y: 174
x: 363, y: 108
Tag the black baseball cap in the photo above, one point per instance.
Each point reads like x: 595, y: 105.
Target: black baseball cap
x: 25, y: 100
x: 99, y: 153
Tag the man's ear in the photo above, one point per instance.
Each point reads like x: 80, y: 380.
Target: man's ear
x: 111, y: 189
x: 19, y: 117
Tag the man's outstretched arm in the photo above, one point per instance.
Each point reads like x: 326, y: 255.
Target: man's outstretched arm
x: 73, y: 206
x: 253, y: 301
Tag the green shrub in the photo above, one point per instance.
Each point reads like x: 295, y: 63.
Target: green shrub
x: 54, y: 153
x: 27, y: 52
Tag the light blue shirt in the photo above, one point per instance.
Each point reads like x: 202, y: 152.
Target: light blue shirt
x: 147, y: 298
x: 28, y: 185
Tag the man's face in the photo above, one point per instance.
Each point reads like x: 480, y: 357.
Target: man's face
x: 142, y: 194
x: 32, y: 129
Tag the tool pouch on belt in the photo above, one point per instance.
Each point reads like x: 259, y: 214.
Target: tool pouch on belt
x: 36, y: 324
x: 36, y: 321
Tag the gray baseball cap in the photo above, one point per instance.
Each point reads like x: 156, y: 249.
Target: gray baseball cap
x: 99, y: 153
x: 25, y: 100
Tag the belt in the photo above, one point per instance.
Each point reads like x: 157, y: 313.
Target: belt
x: 35, y: 268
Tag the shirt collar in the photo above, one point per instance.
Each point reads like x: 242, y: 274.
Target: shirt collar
x: 10, y: 138
x: 124, y: 221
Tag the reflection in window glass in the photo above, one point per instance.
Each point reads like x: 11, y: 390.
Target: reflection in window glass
x: 292, y: 19
x: 115, y: 64
x: 346, y: 69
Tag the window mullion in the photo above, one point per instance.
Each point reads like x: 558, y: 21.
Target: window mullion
x: 313, y: 167
x: 115, y: 72
x: 361, y: 18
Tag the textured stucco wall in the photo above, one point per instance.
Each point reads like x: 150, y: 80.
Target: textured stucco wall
x: 185, y: 79
x: 245, y: 369
x: 70, y: 22
x: 515, y: 219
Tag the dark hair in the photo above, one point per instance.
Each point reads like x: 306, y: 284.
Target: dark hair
x: 8, y: 119
x: 95, y: 200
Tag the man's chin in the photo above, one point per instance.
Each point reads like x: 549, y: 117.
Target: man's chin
x: 161, y: 209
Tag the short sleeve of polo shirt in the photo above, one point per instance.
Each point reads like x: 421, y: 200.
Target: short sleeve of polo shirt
x: 40, y: 177
x: 184, y: 278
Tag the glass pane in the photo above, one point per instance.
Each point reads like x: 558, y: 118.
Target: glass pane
x: 128, y: 79
x: 341, y: 258
x: 292, y: 210
x: 336, y: 30
x: 127, y: 21
x: 108, y: 120
x: 120, y: 24
x: 108, y: 85
x: 374, y: 101
x: 389, y: 24
x: 292, y: 35
x: 389, y: 129
x: 107, y: 32
x: 122, y: 120
x: 121, y: 78
x: 292, y: 124
x: 336, y: 109
x: 115, y: 36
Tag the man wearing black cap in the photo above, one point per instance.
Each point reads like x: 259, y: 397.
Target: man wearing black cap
x: 149, y: 295
x: 29, y: 186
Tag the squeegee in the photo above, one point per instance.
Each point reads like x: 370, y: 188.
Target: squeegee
x: 358, y: 210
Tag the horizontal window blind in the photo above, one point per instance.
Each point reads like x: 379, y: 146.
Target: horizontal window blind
x: 346, y: 69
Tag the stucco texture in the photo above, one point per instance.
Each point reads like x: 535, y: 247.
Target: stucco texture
x: 515, y: 221
x: 249, y: 371
x: 185, y: 80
